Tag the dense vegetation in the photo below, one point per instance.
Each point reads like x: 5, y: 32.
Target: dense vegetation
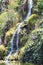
x: 12, y: 13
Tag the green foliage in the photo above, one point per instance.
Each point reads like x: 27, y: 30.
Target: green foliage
x: 41, y: 24
x: 40, y: 4
x: 30, y: 44
x: 2, y: 51
x: 33, y: 47
x: 10, y: 15
x: 8, y: 20
x: 14, y: 4
x: 38, y: 7
x: 3, y: 18
x: 33, y: 18
x: 23, y: 40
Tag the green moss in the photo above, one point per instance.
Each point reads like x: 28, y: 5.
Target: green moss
x: 33, y: 18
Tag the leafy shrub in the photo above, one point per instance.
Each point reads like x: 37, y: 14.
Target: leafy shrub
x: 14, y: 4
x: 40, y: 4
x: 33, y: 49
x: 2, y: 51
x: 41, y: 24
x: 32, y: 18
x: 32, y: 21
x: 3, y: 18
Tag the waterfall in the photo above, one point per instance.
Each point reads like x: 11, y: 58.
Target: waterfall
x: 11, y: 46
x: 30, y: 3
x: 17, y: 39
x: 18, y: 31
x: 12, y: 40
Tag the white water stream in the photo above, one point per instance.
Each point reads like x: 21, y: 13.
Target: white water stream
x: 30, y: 4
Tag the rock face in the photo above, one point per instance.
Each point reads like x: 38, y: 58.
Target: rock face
x: 33, y: 51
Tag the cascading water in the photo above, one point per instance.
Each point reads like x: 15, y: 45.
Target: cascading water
x: 12, y: 40
x: 18, y: 31
x: 11, y: 46
x: 30, y: 4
